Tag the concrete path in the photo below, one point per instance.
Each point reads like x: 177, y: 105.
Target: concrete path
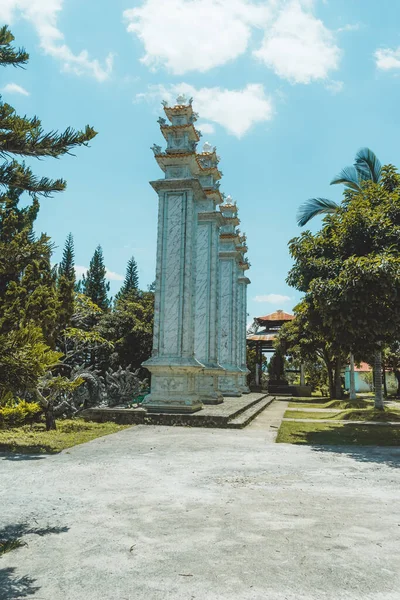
x: 174, y: 513
x: 344, y: 422
x: 318, y: 410
x: 269, y: 420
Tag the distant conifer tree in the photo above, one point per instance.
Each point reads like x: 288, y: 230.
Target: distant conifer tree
x: 94, y: 284
x: 66, y: 283
x: 67, y: 264
x: 131, y: 282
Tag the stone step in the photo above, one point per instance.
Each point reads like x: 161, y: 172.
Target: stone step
x: 246, y: 407
x: 251, y: 412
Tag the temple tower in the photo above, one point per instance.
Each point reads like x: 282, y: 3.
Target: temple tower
x: 173, y: 366
x: 229, y: 334
x: 206, y: 318
x: 243, y: 282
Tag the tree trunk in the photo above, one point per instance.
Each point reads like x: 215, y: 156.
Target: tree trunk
x: 50, y: 418
x: 302, y: 375
x: 338, y: 381
x: 397, y: 375
x: 385, y: 392
x: 378, y: 380
x: 330, y: 381
x: 353, y: 395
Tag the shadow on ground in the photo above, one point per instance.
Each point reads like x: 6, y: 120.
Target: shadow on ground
x: 15, y: 456
x: 13, y: 587
x: 41, y: 448
x: 18, y: 530
x: 389, y: 456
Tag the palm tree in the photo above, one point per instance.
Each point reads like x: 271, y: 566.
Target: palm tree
x: 367, y: 167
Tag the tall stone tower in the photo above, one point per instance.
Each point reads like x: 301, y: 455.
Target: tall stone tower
x: 186, y: 360
x: 173, y: 366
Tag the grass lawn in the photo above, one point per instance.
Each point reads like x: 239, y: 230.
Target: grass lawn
x: 326, y: 403
x: 364, y: 414
x: 315, y: 434
x: 35, y: 438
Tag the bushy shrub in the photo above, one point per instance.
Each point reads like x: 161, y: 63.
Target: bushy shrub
x: 15, y: 412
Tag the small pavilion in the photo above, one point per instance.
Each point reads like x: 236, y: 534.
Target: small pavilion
x: 263, y: 339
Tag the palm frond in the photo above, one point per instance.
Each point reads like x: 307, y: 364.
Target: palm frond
x: 368, y: 165
x: 350, y: 178
x: 314, y: 207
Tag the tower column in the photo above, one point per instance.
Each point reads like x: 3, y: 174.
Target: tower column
x: 206, y: 314
x: 173, y: 366
x: 243, y: 283
x: 228, y: 302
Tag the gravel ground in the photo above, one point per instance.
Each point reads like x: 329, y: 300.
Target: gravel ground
x: 172, y: 513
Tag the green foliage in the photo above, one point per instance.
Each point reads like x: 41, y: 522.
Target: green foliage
x: 131, y: 283
x: 15, y: 412
x: 350, y: 270
x: 30, y: 303
x: 9, y: 545
x: 8, y: 54
x: 35, y: 439
x: 367, y: 167
x: 24, y: 358
x: 94, y: 283
x: 67, y: 264
x: 66, y: 284
x: 130, y: 328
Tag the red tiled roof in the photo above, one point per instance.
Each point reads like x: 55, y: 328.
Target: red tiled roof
x: 261, y: 337
x: 279, y: 315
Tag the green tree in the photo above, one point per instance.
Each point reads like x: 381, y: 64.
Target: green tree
x: 308, y: 340
x: 66, y: 284
x: 367, y: 167
x: 28, y: 295
x: 350, y: 270
x: 131, y: 281
x: 129, y: 326
x: 94, y: 284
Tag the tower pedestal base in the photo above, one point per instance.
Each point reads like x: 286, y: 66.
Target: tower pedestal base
x: 173, y: 386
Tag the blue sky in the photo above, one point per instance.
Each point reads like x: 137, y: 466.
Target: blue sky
x: 288, y: 91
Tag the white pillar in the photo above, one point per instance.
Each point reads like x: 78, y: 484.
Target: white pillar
x: 206, y: 305
x: 228, y: 298
x: 242, y: 314
x: 173, y: 365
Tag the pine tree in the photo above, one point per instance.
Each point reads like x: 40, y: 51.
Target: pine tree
x: 29, y: 302
x: 66, y: 284
x: 67, y: 264
x: 131, y: 283
x: 23, y: 136
x: 94, y: 284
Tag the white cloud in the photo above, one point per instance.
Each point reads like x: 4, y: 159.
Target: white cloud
x: 81, y: 270
x: 43, y: 16
x: 298, y: 46
x: 236, y: 110
x: 206, y: 128
x: 197, y: 35
x: 334, y: 86
x: 349, y: 27
x: 14, y: 88
x: 272, y: 299
x: 114, y: 276
x: 194, y: 35
x: 387, y: 59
